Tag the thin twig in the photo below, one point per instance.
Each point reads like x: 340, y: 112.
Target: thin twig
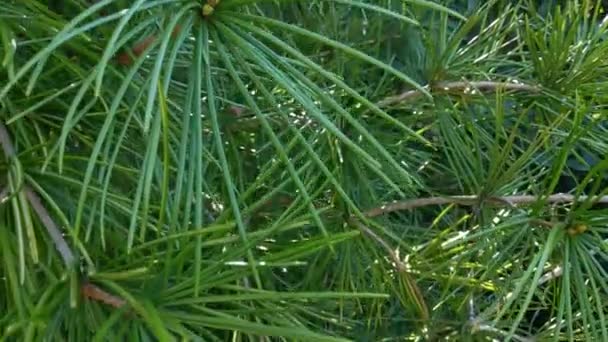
x: 504, y: 201
x: 415, y: 291
x: 92, y: 291
x: 5, y: 141
x: 4, y: 195
x: 62, y: 247
x: 403, y: 97
x: 542, y: 223
x: 460, y: 86
x: 51, y: 227
x: 88, y: 290
x: 485, y: 86
x: 475, y: 200
x: 555, y: 272
x: 391, y: 252
x: 490, y: 328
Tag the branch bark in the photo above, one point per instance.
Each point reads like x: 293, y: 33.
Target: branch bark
x: 60, y: 243
x: 508, y: 201
x: 517, y: 200
x: 460, y: 86
x: 94, y: 292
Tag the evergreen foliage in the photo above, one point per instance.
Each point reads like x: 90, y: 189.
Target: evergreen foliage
x: 324, y: 170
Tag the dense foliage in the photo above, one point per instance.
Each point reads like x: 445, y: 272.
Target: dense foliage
x: 319, y: 170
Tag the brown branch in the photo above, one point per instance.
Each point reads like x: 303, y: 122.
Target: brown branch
x: 505, y: 201
x: 88, y: 290
x: 5, y: 141
x: 93, y: 292
x: 403, y: 97
x: 60, y: 244
x: 484, y: 86
x: 461, y: 87
x: 517, y: 200
x: 126, y: 57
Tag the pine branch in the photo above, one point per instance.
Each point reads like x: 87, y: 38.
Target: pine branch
x: 461, y: 87
x: 413, y: 290
x: 399, y: 265
x: 93, y: 292
x: 90, y: 291
x: 509, y: 201
x: 60, y: 244
x: 5, y: 141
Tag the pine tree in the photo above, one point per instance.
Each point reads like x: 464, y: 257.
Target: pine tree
x: 324, y: 170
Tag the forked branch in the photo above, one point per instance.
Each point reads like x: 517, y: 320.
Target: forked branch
x: 504, y: 201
